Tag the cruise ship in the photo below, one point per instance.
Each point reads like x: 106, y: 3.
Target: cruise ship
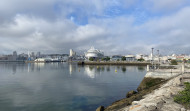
x: 94, y: 53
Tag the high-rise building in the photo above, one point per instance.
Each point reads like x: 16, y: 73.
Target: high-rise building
x: 38, y: 55
x: 33, y: 54
x: 72, y: 53
x: 14, y: 57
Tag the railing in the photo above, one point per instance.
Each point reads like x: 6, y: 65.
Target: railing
x: 183, y: 68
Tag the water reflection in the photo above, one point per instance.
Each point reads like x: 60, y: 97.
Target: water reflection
x: 141, y: 68
x: 118, y: 67
x: 63, y: 86
x: 123, y: 69
x: 14, y: 68
x: 93, y: 70
x: 90, y: 71
x: 108, y: 68
x: 35, y: 67
x: 70, y: 69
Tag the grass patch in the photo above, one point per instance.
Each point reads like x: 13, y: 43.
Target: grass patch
x: 149, y: 82
x: 183, y: 97
x: 174, y: 62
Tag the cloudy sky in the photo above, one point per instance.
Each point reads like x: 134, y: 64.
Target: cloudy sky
x: 114, y: 26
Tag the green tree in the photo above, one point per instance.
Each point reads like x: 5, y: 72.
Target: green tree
x: 107, y: 58
x: 123, y: 58
x: 173, y: 62
x: 91, y: 59
x: 141, y: 59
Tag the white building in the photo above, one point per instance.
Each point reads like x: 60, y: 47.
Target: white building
x: 139, y: 56
x: 43, y: 60
x: 38, y: 55
x: 94, y: 53
x: 72, y: 53
x: 116, y: 57
x: 130, y: 57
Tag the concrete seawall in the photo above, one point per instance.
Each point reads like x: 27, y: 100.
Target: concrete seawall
x: 164, y: 75
x: 161, y: 99
x: 155, y: 93
x: 114, y: 63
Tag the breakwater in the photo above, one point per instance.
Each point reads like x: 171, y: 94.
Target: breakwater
x: 161, y: 99
x: 113, y: 63
x: 146, y: 86
x: 154, y: 93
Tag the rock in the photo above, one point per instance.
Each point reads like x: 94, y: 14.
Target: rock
x: 152, y: 108
x: 135, y: 102
x: 101, y: 108
x: 160, y: 104
x: 130, y: 93
x: 183, y: 109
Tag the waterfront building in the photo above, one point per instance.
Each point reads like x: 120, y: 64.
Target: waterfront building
x: 3, y: 57
x: 14, y: 57
x: 22, y: 57
x: 43, y: 60
x: 164, y: 59
x: 33, y: 55
x: 116, y: 58
x: 130, y: 58
x: 9, y: 57
x: 72, y: 53
x: 139, y: 56
x: 147, y: 58
x: 38, y: 55
x: 94, y: 53
x: 172, y: 57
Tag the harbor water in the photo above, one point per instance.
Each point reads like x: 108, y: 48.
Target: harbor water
x: 64, y: 86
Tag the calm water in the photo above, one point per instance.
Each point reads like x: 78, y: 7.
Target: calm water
x: 63, y: 86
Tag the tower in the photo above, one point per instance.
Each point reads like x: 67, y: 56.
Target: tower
x: 72, y: 53
x: 14, y: 56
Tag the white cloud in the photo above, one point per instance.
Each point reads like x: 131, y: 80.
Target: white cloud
x: 51, y: 25
x: 165, y: 5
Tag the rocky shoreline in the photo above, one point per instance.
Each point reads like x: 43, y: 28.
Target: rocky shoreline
x: 154, y: 94
x: 161, y: 99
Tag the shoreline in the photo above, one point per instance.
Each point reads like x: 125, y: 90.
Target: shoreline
x: 143, y: 89
x: 162, y: 98
x: 158, y: 96
x: 114, y: 63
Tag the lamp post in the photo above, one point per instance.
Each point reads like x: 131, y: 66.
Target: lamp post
x: 158, y: 58
x: 152, y: 57
x: 152, y: 54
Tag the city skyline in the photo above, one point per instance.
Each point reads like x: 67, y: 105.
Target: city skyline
x: 114, y: 26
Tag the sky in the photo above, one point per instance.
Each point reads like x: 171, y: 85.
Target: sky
x: 113, y: 26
